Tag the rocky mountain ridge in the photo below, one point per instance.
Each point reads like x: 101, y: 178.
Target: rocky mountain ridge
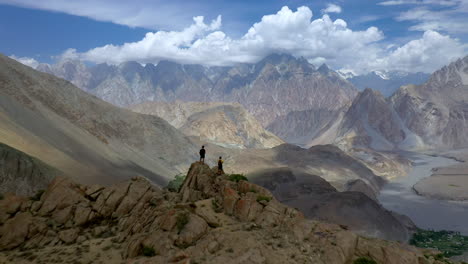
x: 213, y: 219
x: 271, y: 88
x: 224, y: 124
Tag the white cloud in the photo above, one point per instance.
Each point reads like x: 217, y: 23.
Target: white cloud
x: 286, y: 31
x: 295, y: 32
x: 430, y: 52
x: 26, y: 61
x: 152, y: 14
x: 441, y: 15
x: 332, y: 8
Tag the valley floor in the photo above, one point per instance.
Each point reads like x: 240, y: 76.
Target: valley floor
x: 425, y: 211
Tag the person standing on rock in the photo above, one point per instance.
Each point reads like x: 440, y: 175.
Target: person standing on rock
x: 202, y: 154
x: 220, y: 165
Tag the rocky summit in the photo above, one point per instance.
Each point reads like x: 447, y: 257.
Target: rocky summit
x: 213, y: 219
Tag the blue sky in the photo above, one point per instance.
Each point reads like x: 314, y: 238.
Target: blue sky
x: 355, y: 35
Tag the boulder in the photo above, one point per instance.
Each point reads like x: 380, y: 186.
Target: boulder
x: 15, y: 231
x: 192, y: 231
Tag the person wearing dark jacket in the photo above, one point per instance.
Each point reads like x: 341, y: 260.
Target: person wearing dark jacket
x: 220, y: 165
x: 202, y: 154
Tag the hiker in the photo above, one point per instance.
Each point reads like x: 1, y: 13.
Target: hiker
x: 202, y: 154
x: 220, y: 165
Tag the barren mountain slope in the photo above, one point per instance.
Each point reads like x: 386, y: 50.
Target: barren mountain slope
x: 317, y: 199
x: 437, y: 110
x: 88, y: 139
x: 225, y: 124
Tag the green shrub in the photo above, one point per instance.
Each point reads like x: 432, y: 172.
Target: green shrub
x: 38, y: 195
x: 448, y: 242
x: 176, y: 183
x: 237, y: 177
x: 182, y: 220
x: 363, y: 260
x: 263, y: 198
x: 149, y: 252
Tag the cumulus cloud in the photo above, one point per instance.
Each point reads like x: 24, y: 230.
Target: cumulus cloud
x: 26, y: 61
x: 295, y: 32
x: 432, y: 51
x: 332, y: 8
x: 287, y: 31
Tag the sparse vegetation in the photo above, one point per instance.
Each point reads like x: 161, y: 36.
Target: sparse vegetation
x: 1, y: 197
x: 237, y: 177
x: 182, y: 220
x: 38, y: 195
x: 176, y: 183
x: 149, y: 252
x: 363, y: 260
x: 263, y: 198
x: 448, y: 242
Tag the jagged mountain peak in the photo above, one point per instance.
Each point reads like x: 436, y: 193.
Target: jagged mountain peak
x: 324, y: 68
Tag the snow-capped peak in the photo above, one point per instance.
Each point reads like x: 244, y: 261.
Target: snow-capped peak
x: 382, y: 74
x: 346, y: 74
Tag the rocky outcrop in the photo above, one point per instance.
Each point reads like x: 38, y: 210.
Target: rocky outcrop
x: 212, y: 220
x: 224, y: 124
x: 22, y: 174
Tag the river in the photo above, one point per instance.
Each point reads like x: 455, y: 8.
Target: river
x: 426, y: 213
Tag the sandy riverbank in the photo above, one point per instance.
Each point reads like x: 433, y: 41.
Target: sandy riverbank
x: 447, y: 183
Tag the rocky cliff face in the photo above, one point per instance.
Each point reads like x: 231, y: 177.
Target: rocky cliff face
x: 22, y: 174
x: 211, y: 220
x: 269, y: 89
x: 437, y: 110
x: 224, y: 124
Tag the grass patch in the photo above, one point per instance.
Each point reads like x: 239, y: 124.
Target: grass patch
x: 182, y: 220
x: 176, y: 183
x: 448, y: 242
x: 37, y: 196
x: 263, y: 198
x: 149, y: 252
x: 237, y: 177
x: 363, y: 260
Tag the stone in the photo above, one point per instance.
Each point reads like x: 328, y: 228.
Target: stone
x: 15, y: 231
x: 61, y: 193
x: 169, y: 220
x: 82, y: 213
x: 69, y: 236
x: 192, y: 231
x: 230, y: 198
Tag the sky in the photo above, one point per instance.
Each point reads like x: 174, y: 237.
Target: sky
x: 348, y: 35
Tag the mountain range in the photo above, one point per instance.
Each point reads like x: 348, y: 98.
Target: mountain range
x: 386, y: 82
